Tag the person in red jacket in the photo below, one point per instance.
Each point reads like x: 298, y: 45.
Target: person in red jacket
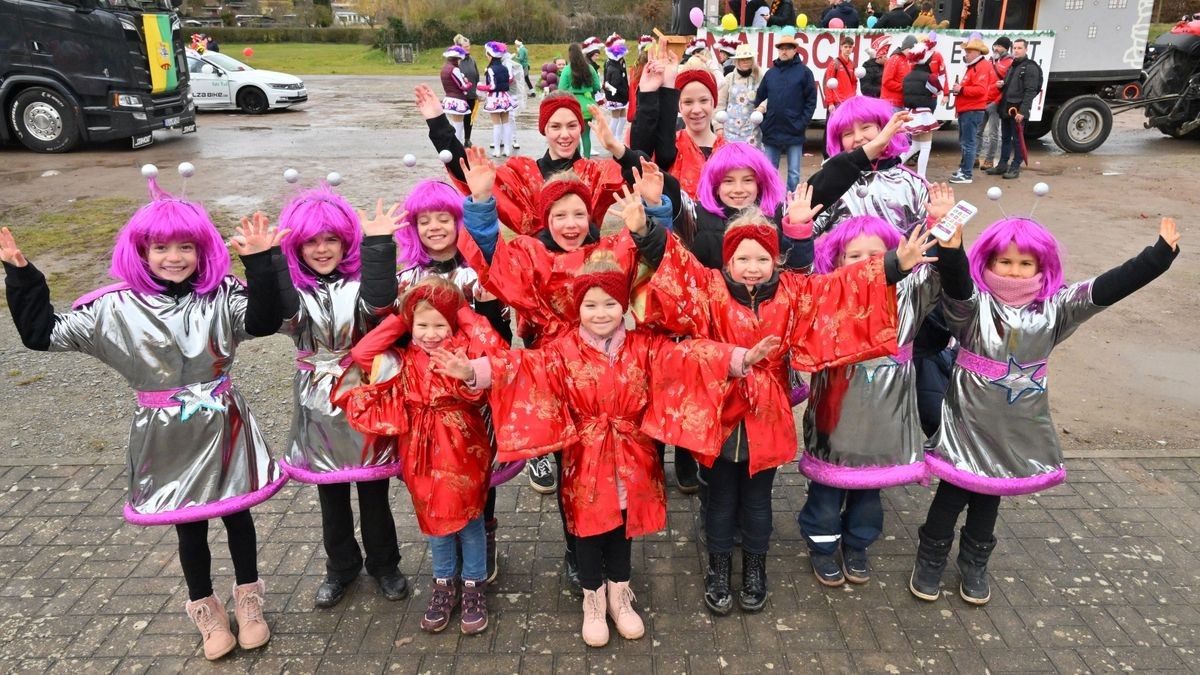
x: 972, y: 95
x: 894, y: 70
x: 989, y: 134
x: 840, y: 74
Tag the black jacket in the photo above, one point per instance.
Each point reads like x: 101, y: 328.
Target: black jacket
x: 916, y: 89
x: 872, y: 81
x: 897, y: 18
x: 844, y: 11
x: 1022, y: 85
x: 616, y: 75
x: 784, y: 14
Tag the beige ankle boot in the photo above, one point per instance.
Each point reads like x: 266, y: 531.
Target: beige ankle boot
x: 248, y: 608
x: 620, y: 608
x: 595, y: 625
x: 210, y: 617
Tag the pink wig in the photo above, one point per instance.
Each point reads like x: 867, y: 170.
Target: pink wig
x: 1030, y: 238
x: 733, y: 156
x: 313, y: 213
x: 429, y: 196
x: 829, y: 247
x: 862, y: 109
x: 166, y: 219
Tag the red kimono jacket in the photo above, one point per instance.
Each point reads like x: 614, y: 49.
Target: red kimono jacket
x: 519, y: 182
x: 445, y: 455
x: 536, y: 282
x: 689, y: 161
x: 824, y: 320
x: 570, y: 395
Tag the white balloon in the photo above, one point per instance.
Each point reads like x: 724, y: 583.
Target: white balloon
x: 1041, y: 189
x: 860, y: 72
x: 756, y: 117
x: 722, y: 116
x: 995, y: 193
x: 187, y: 170
x: 410, y: 160
x: 334, y: 178
x: 291, y: 175
x: 149, y: 171
x: 445, y: 156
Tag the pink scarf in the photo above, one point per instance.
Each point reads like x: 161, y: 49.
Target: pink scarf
x: 1013, y: 292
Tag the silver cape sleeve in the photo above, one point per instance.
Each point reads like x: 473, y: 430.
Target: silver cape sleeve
x: 1071, y: 307
x: 75, y: 331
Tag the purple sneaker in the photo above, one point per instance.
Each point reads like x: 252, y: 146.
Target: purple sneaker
x: 442, y: 600
x: 474, y: 607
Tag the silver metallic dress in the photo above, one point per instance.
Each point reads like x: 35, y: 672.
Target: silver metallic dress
x: 996, y: 435
x: 195, y: 451
x: 896, y: 195
x: 861, y: 428
x: 322, y: 447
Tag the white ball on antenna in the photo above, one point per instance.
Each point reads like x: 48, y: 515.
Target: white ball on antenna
x: 445, y: 156
x: 149, y: 171
x: 410, y: 160
x: 291, y: 175
x: 756, y: 118
x: 832, y: 83
x: 860, y: 72
x: 334, y: 178
x: 1041, y: 189
x: 722, y: 116
x: 995, y: 193
x: 187, y: 169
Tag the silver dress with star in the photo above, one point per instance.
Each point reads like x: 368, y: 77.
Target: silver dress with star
x: 198, y: 453
x: 895, y: 194
x: 861, y: 428
x: 322, y: 448
x: 996, y: 435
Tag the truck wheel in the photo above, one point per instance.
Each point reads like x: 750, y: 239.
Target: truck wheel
x: 252, y: 100
x: 1082, y: 124
x: 43, y: 120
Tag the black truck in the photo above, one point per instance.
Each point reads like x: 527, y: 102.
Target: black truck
x: 76, y: 71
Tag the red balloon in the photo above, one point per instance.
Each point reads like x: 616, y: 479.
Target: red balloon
x: 247, y: 52
x: 837, y: 23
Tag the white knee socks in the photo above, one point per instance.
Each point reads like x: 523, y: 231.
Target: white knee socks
x: 924, y: 148
x: 497, y: 138
x: 460, y: 131
x: 508, y: 137
x: 618, y: 127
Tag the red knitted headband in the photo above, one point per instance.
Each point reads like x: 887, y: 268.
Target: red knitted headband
x: 697, y: 75
x: 444, y: 301
x: 765, y: 235
x: 556, y: 190
x: 614, y: 283
x: 552, y: 104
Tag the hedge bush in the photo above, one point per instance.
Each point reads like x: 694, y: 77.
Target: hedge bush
x: 363, y: 36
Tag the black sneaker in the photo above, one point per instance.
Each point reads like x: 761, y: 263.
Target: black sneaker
x: 330, y: 593
x: 827, y: 569
x: 998, y: 170
x: 541, y: 475
x: 856, y: 565
x: 1012, y: 173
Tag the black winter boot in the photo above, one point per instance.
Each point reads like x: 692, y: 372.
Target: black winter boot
x: 926, y: 579
x: 717, y: 596
x: 754, y: 582
x: 972, y: 565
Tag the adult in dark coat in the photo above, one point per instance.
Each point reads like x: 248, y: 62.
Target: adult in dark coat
x: 840, y: 9
x: 895, y: 17
x: 790, y: 95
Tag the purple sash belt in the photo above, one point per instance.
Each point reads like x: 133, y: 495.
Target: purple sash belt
x: 170, y: 398
x: 995, y: 370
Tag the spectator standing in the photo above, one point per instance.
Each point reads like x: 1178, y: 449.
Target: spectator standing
x: 895, y: 17
x: 972, y: 96
x: 1022, y: 85
x: 989, y: 134
x: 894, y: 70
x: 787, y: 97
x: 470, y: 71
x: 841, y: 72
x: 736, y: 97
x: 783, y: 13
x: 872, y: 81
x: 840, y: 9
x: 523, y: 60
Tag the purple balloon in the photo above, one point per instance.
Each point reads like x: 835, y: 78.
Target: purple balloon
x: 976, y: 35
x: 697, y: 16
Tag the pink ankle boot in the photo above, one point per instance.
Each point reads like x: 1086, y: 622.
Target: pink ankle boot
x: 210, y: 617
x: 595, y: 624
x: 248, y: 608
x: 620, y: 608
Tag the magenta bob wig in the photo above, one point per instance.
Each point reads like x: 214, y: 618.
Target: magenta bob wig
x: 313, y: 213
x: 862, y: 109
x: 167, y: 219
x: 1031, y: 238
x: 429, y: 196
x: 730, y: 157
x: 830, y: 246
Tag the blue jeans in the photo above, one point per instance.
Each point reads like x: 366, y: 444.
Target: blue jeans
x: 474, y: 551
x: 737, y: 499
x: 794, y: 154
x: 968, y: 133
x: 824, y: 523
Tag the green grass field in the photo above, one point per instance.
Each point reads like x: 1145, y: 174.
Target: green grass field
x: 336, y: 59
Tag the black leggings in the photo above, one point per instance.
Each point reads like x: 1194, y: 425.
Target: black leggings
x: 196, y: 559
x: 489, y: 507
x: 949, y: 502
x: 604, y: 556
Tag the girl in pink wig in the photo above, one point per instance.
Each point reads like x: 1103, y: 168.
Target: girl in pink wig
x: 341, y: 283
x: 861, y: 429
x: 997, y: 437
x: 171, y: 328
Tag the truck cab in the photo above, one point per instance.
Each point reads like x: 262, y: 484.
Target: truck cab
x: 76, y: 71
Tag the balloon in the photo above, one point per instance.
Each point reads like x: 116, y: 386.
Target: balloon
x: 860, y: 72
x: 871, y: 21
x: 729, y: 22
x: 788, y: 30
x: 697, y: 17
x: 802, y: 20
x: 976, y: 35
x: 247, y: 52
x: 836, y: 23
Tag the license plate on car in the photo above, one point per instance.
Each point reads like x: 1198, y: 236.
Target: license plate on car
x: 171, y: 122
x: 189, y: 128
x: 143, y: 141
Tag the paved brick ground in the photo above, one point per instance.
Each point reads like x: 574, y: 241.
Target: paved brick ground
x: 1099, y: 574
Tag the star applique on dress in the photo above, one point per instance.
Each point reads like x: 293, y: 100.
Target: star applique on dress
x: 201, y: 395
x: 1021, y: 380
x: 328, y: 364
